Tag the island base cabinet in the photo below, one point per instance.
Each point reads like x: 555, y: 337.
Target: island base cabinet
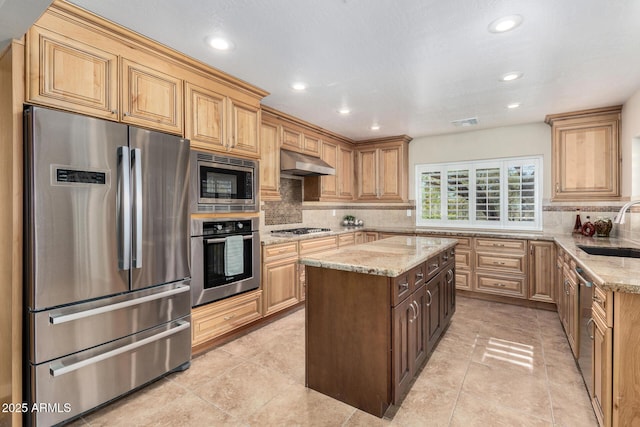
x: 367, y: 335
x: 350, y: 312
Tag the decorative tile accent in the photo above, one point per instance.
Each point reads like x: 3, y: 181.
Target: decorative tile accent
x: 289, y: 209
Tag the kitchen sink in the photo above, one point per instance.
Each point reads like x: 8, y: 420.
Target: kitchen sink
x: 608, y: 251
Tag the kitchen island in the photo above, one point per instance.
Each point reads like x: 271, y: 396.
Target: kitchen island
x: 374, y: 312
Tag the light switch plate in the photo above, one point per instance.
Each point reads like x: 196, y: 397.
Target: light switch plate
x: 408, y: 212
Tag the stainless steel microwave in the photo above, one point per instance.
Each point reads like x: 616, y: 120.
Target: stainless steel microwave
x: 222, y: 183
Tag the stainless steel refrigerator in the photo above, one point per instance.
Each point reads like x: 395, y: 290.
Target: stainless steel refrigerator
x: 106, y: 261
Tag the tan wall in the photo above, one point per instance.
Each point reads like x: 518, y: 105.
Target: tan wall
x: 630, y: 146
x: 510, y: 141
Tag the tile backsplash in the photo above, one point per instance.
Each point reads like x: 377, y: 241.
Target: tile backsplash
x: 289, y: 209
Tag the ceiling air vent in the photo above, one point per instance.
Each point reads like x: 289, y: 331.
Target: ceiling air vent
x: 465, y: 122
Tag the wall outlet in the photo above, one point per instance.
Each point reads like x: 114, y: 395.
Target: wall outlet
x: 408, y: 212
x: 333, y: 212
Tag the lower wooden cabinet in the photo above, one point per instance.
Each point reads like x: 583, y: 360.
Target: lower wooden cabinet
x: 602, y: 370
x: 434, y: 311
x: 409, y: 339
x: 280, y: 284
x: 571, y: 319
x: 541, y: 271
x: 213, y: 320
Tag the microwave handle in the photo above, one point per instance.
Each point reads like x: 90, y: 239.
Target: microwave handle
x: 221, y: 240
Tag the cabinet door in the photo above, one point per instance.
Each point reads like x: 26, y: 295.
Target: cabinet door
x: 243, y: 138
x: 367, y: 164
x: 280, y: 284
x: 434, y: 311
x: 586, y: 158
x: 449, y: 300
x: 269, y: 162
x: 542, y: 271
x: 390, y: 173
x: 292, y: 138
x: 68, y: 74
x: 573, y: 315
x: 205, y: 113
x: 370, y: 236
x: 403, y: 346
x: 151, y: 98
x: 329, y: 182
x: 311, y: 145
x: 420, y: 325
x: 345, y: 172
x: 602, y: 371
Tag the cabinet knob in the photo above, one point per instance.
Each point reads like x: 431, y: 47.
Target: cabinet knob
x: 125, y: 114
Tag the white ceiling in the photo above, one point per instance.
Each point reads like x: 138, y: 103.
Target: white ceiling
x: 16, y: 16
x: 412, y: 66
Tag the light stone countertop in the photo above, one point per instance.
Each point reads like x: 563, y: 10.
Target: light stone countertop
x: 616, y: 274
x: 387, y: 257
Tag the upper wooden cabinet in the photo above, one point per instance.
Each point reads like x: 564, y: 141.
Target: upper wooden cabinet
x: 382, y: 167
x: 206, y: 114
x: 79, y: 62
x: 72, y: 75
x: 339, y: 155
x: 151, y: 98
x: 586, y: 154
x: 297, y: 138
x: 269, y: 161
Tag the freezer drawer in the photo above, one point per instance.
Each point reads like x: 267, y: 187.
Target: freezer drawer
x: 75, y: 384
x: 66, y: 330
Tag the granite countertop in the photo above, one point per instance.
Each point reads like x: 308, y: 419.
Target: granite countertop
x: 387, y: 257
x: 616, y: 274
x: 612, y: 273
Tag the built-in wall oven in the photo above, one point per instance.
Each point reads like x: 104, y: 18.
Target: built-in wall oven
x: 225, y: 258
x: 222, y: 183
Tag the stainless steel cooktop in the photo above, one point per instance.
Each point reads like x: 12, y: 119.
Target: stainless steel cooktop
x: 298, y: 231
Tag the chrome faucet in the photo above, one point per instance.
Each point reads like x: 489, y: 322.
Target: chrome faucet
x: 619, y: 219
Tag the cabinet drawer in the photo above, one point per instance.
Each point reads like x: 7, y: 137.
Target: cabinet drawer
x: 280, y: 250
x: 447, y: 255
x: 501, y: 245
x: 502, y: 262
x: 463, y: 279
x: 433, y: 265
x: 602, y: 305
x: 215, y: 319
x: 463, y: 259
x: 401, y: 287
x: 509, y: 286
x: 318, y: 245
x: 347, y: 239
x: 464, y: 242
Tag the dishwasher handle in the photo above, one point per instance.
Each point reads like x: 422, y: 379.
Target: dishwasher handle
x: 583, y: 279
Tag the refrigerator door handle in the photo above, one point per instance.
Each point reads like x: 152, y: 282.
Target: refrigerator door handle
x: 123, y: 208
x: 61, y: 369
x: 136, y: 160
x: 57, y: 319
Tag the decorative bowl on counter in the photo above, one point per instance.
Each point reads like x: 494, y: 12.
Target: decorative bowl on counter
x: 603, y: 227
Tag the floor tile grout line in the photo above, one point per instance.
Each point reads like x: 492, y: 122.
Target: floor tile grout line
x: 464, y: 377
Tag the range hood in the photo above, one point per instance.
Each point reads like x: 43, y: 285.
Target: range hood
x: 301, y: 164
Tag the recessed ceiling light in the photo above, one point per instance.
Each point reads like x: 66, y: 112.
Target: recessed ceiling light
x: 509, y: 77
x: 505, y: 23
x: 344, y: 111
x: 219, y: 43
x: 299, y: 86
x: 513, y: 105
x: 375, y: 127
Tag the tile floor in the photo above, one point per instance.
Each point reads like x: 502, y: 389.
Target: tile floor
x: 497, y: 365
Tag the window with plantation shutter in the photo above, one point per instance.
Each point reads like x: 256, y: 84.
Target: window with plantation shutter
x: 499, y: 193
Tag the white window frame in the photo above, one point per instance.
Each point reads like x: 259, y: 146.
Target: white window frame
x: 504, y: 223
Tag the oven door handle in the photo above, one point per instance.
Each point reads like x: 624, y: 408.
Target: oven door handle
x: 222, y: 240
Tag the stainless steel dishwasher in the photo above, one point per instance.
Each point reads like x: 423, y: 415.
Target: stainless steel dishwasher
x: 585, y: 355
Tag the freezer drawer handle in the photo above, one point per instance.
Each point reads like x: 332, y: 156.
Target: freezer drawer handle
x: 57, y: 319
x: 56, y: 372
